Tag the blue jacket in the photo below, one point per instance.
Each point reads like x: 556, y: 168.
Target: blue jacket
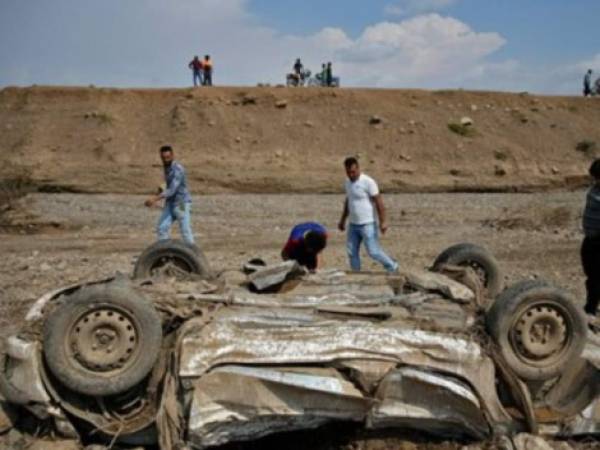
x: 176, y: 191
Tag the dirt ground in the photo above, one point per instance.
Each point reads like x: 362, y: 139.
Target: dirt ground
x: 272, y: 140
x: 58, y: 239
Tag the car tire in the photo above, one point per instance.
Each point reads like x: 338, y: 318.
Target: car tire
x: 481, y: 260
x: 538, y: 328
x: 102, y: 340
x: 184, y: 257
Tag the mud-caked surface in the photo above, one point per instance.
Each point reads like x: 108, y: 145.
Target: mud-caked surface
x: 59, y: 239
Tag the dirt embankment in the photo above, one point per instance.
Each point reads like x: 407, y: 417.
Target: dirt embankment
x: 294, y: 140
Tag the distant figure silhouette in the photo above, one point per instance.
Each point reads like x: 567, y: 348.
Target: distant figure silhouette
x: 196, y: 66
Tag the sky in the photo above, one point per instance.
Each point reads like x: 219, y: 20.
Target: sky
x: 541, y: 46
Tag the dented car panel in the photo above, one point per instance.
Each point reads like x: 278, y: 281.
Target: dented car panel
x: 367, y: 348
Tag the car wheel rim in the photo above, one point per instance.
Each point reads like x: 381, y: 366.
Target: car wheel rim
x: 104, y: 339
x: 540, y: 334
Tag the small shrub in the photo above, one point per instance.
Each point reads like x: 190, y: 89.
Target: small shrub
x: 105, y: 118
x: 587, y: 147
x: 462, y: 130
x: 500, y: 155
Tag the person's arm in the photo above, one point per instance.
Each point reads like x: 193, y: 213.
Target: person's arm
x: 378, y: 200
x: 342, y: 223
x: 169, y: 192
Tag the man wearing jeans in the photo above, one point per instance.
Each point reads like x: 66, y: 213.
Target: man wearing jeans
x: 177, y: 199
x: 362, y: 194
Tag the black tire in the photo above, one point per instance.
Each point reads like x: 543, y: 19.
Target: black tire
x: 102, y: 340
x: 538, y: 328
x: 478, y: 258
x: 187, y: 258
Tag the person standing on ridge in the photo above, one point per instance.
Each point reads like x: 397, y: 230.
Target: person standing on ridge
x: 177, y: 198
x: 207, y: 64
x: 587, y: 83
x: 329, y: 75
x: 196, y: 66
x: 362, y: 193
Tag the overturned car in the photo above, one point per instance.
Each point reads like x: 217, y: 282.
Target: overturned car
x: 178, y: 356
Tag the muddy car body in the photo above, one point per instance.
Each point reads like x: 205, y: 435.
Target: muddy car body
x: 241, y: 356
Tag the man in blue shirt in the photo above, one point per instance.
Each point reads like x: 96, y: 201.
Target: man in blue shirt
x: 177, y: 199
x: 305, y: 243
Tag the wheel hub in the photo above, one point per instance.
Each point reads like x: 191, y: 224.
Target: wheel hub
x: 103, y: 339
x: 541, y: 332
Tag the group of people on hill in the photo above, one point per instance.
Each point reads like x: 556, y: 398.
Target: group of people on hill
x: 325, y: 76
x: 588, y: 88
x: 202, y: 70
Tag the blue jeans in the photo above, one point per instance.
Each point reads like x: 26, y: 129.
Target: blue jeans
x: 368, y: 234
x: 175, y: 212
x: 198, y: 76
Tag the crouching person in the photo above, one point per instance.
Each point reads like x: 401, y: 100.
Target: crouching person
x: 306, y: 242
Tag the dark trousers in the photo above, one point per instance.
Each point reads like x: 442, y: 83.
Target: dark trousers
x: 590, y: 259
x: 207, y: 78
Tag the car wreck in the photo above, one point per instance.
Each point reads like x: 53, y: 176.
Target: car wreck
x: 178, y: 356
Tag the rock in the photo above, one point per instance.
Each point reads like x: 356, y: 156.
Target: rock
x: 555, y: 170
x: 279, y: 153
x: 44, y: 267
x: 281, y: 104
x: 499, y: 171
x: 412, y: 123
x: 249, y: 100
x: 15, y: 439
x: 61, y: 265
x: 211, y: 123
x: 238, y: 139
x: 474, y: 108
x: 375, y: 120
x: 524, y: 441
x: 309, y: 124
x: 466, y: 121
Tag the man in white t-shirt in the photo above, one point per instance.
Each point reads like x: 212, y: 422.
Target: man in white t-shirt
x: 362, y: 198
